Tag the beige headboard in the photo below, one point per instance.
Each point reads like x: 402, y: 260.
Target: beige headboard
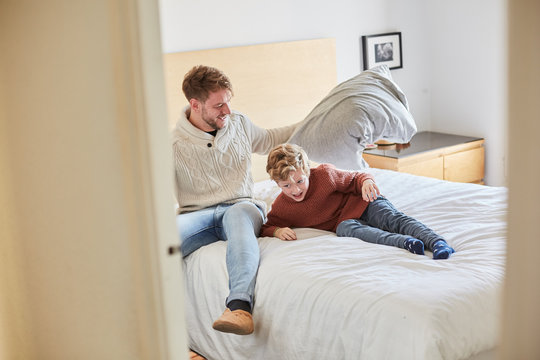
x: 274, y: 84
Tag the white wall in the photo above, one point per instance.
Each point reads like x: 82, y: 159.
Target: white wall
x: 220, y: 24
x: 468, y: 46
x: 432, y: 55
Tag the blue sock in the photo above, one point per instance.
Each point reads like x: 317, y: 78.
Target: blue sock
x: 441, y: 250
x: 415, y: 246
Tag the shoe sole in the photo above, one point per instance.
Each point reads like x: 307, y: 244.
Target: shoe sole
x: 226, y: 328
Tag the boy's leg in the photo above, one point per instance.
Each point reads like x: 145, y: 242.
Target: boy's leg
x: 241, y: 223
x: 382, y: 214
x: 358, y: 229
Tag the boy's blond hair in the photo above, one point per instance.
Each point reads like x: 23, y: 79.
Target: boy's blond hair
x: 284, y: 159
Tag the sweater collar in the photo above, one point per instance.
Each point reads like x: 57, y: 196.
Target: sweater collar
x: 183, y: 125
x: 186, y: 130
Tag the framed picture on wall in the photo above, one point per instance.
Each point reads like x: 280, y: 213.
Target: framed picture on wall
x: 382, y: 49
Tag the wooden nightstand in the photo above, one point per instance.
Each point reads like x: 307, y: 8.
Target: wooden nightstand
x: 442, y: 156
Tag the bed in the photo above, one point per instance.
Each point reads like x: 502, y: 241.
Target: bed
x: 325, y: 297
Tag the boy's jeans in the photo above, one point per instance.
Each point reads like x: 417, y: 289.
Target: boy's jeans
x: 237, y: 223
x: 382, y: 223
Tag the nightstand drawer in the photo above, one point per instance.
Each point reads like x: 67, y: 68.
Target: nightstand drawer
x: 431, y: 168
x: 465, y: 166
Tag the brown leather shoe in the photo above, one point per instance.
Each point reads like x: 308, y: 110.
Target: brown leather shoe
x: 238, y: 322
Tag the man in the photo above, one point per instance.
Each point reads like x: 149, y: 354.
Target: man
x: 212, y: 148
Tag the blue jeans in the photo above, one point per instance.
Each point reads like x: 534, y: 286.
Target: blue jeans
x: 237, y: 223
x: 382, y: 224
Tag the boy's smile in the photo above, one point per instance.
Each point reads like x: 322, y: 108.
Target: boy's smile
x: 296, y: 186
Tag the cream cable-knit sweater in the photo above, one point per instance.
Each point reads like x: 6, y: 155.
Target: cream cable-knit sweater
x: 212, y: 170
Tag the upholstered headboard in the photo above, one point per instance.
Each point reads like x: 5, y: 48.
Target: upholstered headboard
x: 274, y: 84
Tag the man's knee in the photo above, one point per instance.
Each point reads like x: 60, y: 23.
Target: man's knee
x: 244, y: 209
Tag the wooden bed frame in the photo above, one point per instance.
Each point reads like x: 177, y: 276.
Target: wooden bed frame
x: 274, y: 84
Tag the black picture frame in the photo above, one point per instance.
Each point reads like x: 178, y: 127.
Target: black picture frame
x: 382, y: 49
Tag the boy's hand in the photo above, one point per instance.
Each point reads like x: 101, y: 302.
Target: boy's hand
x: 370, y: 190
x: 285, y: 234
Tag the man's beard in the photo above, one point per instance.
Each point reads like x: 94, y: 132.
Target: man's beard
x: 211, y: 121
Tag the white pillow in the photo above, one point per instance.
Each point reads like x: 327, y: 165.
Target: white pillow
x: 357, y: 112
x: 267, y: 191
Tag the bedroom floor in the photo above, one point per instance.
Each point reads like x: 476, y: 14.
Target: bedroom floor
x: 194, y: 356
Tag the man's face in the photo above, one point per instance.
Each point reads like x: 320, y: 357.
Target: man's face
x: 216, y: 109
x: 296, y: 186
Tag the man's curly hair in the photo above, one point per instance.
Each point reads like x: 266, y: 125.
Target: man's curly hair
x: 201, y: 80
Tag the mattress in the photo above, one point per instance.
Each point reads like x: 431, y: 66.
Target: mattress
x: 329, y: 297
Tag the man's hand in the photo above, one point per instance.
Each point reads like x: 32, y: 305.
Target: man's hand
x: 370, y: 190
x: 285, y: 234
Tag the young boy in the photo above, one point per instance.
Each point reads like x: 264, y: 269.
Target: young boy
x: 348, y: 203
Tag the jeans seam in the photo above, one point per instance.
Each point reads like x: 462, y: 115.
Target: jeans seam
x: 198, y: 232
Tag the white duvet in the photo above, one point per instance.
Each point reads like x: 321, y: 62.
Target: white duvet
x: 324, y: 297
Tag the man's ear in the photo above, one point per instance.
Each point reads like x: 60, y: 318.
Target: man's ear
x: 195, y: 105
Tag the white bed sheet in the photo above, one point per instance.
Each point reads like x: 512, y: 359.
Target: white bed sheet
x: 324, y: 297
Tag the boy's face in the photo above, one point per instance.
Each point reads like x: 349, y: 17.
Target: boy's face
x: 296, y: 186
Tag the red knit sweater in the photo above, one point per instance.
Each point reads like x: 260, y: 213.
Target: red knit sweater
x: 333, y: 196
